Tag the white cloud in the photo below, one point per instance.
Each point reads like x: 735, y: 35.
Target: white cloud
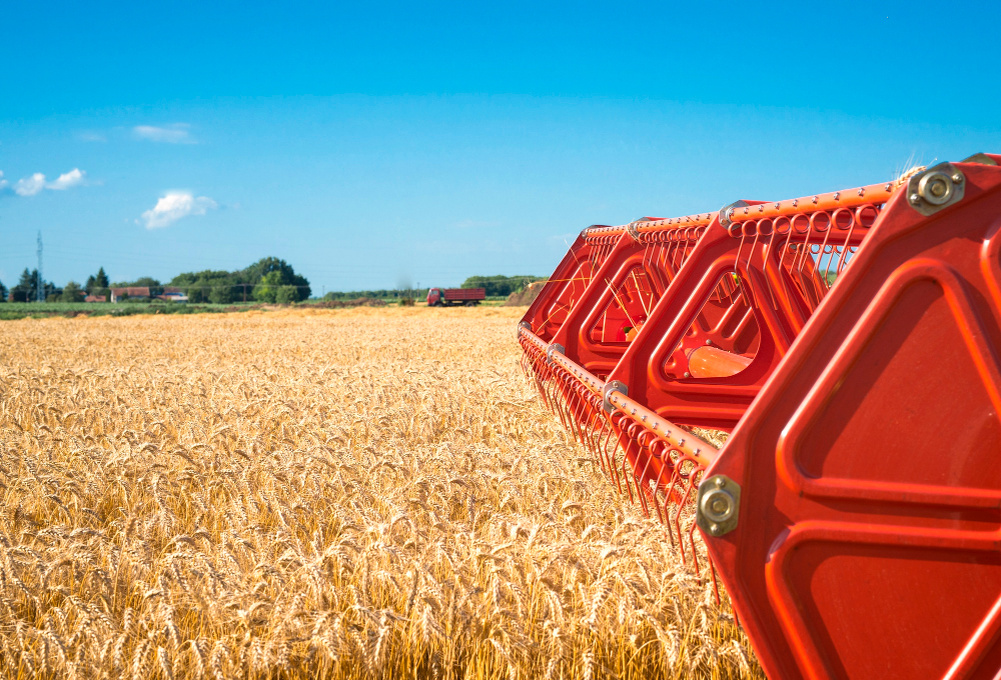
x: 176, y: 205
x: 68, y: 179
x: 29, y: 186
x: 177, y: 133
x: 33, y: 185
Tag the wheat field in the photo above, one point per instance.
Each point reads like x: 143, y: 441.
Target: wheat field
x: 332, y: 494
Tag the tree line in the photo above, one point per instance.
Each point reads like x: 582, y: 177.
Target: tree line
x: 500, y: 285
x: 270, y: 279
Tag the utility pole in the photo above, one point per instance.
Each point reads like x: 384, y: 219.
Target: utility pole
x: 40, y: 296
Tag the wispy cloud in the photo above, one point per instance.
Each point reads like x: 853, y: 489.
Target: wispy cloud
x: 34, y: 184
x: 29, y: 186
x: 91, y: 136
x: 176, y: 205
x: 74, y: 177
x: 176, y: 133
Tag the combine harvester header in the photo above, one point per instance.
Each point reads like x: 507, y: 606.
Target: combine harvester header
x: 850, y: 344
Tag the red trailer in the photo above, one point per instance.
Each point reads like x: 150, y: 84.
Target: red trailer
x: 448, y: 297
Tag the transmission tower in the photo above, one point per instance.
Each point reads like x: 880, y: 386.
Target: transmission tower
x: 41, y: 285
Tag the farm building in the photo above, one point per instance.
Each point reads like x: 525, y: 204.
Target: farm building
x: 96, y: 298
x: 131, y: 293
x: 173, y: 294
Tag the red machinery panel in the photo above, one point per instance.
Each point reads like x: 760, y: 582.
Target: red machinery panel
x: 852, y: 343
x: 869, y: 543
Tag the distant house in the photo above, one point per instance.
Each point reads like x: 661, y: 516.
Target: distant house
x: 131, y: 293
x: 96, y: 298
x: 173, y: 294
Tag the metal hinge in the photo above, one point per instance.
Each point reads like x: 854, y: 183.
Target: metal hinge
x: 717, y: 505
x: 554, y: 347
x: 935, y: 189
x: 612, y: 386
x: 726, y: 212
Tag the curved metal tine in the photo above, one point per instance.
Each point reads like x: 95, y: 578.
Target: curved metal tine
x: 658, y: 490
x: 690, y: 487
x: 676, y: 515
x: 613, y: 463
x: 712, y: 575
x: 844, y: 248
x: 785, y: 250
x: 596, y: 449
x: 610, y: 446
x: 640, y: 478
x: 766, y: 256
x: 750, y: 257
x: 821, y: 272
x: 627, y: 473
x: 736, y: 267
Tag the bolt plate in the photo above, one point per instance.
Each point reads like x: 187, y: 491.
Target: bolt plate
x: 612, y: 386
x: 717, y: 505
x: 935, y: 189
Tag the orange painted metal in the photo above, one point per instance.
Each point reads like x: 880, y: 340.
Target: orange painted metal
x: 710, y: 362
x: 852, y: 343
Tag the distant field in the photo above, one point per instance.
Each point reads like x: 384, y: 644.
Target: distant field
x: 40, y: 310
x: 359, y: 493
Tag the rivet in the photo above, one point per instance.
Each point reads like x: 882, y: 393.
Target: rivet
x: 888, y: 186
x: 714, y: 530
x: 815, y: 199
x: 837, y: 195
x: 957, y: 178
x: 914, y: 198
x: 687, y: 374
x: 861, y: 192
x: 795, y: 203
x: 709, y: 342
x: 719, y: 482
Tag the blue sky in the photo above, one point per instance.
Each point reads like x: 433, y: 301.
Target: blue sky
x: 378, y: 144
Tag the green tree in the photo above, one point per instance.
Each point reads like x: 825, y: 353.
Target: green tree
x: 27, y: 286
x: 500, y: 285
x: 286, y: 295
x: 256, y: 273
x: 221, y: 294
x: 3, y: 292
x: 267, y: 289
x: 72, y: 292
x: 98, y: 284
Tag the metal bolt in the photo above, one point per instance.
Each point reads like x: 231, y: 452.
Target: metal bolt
x: 719, y: 482
x: 709, y: 342
x: 687, y: 374
x: 935, y: 188
x: 714, y: 530
x: 957, y: 178
x: 914, y: 198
